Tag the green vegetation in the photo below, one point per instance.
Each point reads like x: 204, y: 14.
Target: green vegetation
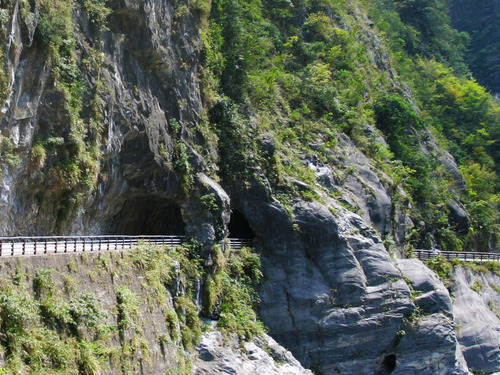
x: 493, y: 267
x: 283, y: 82
x: 302, y: 73
x: 70, y: 168
x: 460, y: 113
x: 478, y: 286
x: 230, y: 293
x: 483, y: 26
x: 442, y: 268
x: 46, y: 332
x: 50, y: 328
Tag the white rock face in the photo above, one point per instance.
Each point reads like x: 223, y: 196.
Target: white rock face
x: 264, y: 356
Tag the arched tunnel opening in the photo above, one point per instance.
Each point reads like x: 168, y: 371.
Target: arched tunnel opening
x: 148, y: 215
x: 239, y: 226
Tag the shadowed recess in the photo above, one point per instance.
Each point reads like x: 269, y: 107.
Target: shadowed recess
x: 239, y: 226
x: 148, y: 215
x: 390, y: 363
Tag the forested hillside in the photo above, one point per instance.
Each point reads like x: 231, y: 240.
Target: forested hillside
x: 310, y: 72
x: 480, y: 20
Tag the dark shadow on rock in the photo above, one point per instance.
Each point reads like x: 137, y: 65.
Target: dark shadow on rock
x: 148, y: 215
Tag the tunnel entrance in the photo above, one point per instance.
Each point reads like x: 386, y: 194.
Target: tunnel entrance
x: 239, y: 226
x: 148, y: 215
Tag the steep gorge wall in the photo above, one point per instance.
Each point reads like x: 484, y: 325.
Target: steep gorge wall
x: 133, y: 79
x: 476, y: 306
x: 137, y: 156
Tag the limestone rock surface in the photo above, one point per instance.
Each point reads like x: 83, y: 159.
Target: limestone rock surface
x: 476, y: 308
x: 262, y: 356
x: 431, y: 295
x: 335, y: 298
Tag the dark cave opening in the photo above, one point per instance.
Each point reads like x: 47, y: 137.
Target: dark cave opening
x: 239, y: 226
x: 148, y: 215
x: 389, y: 362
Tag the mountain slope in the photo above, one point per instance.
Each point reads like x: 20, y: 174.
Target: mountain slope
x: 334, y: 133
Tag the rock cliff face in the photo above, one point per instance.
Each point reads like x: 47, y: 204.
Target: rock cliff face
x: 137, y: 76
x: 135, y: 157
x: 335, y: 298
x: 476, y: 308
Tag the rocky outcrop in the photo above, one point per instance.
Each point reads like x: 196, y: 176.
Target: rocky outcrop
x: 476, y: 307
x: 136, y: 85
x: 429, y: 292
x: 431, y: 329
x: 261, y: 356
x: 335, y: 298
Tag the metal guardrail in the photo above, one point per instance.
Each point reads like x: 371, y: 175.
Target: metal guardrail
x: 40, y: 245
x: 466, y: 256
x: 239, y: 243
x: 19, y: 246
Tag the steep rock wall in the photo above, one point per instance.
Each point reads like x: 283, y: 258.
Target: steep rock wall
x: 335, y: 298
x: 476, y: 306
x: 331, y: 293
x: 135, y: 78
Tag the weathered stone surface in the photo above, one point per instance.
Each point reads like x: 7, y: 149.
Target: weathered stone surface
x: 146, y: 79
x: 431, y: 295
x: 429, y: 347
x: 476, y: 307
x: 458, y: 217
x: 333, y: 295
x: 262, y: 356
x: 360, y: 184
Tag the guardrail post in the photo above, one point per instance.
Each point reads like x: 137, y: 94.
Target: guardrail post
x: 1, y: 248
x: 12, y: 249
x: 74, y: 250
x: 45, y: 247
x: 24, y: 246
x: 34, y: 247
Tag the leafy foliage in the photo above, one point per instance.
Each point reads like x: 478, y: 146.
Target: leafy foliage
x: 480, y: 20
x: 230, y: 293
x: 49, y: 329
